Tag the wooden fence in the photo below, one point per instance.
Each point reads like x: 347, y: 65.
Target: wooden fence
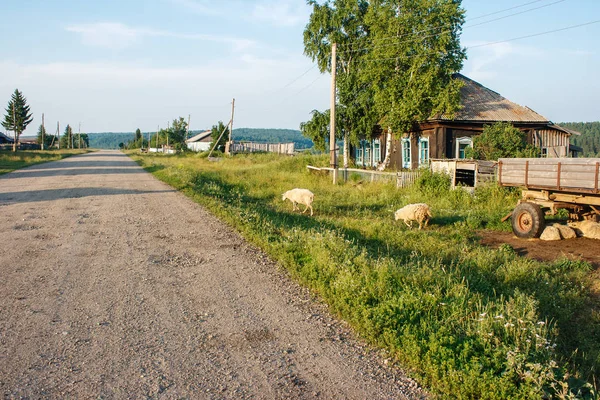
x: 252, y: 147
x: 402, y: 178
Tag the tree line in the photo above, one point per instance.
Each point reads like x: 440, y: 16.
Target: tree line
x: 589, y: 140
x: 18, y: 116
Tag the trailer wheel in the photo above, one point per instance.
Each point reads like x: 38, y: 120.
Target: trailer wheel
x: 528, y: 220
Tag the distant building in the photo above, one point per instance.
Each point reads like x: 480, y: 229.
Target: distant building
x: 200, y: 142
x: 444, y: 138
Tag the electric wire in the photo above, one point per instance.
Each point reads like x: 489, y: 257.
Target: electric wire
x: 442, y: 32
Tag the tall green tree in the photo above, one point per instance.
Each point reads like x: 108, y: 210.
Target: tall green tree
x: 43, y: 137
x: 415, y: 52
x: 17, y: 116
x: 500, y: 140
x: 341, y: 22
x: 138, y: 134
x: 66, y: 140
x: 178, y: 133
x: 222, y: 131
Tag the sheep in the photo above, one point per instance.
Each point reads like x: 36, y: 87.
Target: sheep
x: 588, y: 229
x: 419, y: 212
x: 302, y: 196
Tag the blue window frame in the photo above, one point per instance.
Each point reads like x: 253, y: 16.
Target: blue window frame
x: 406, y: 153
x: 368, y: 153
x: 423, y: 151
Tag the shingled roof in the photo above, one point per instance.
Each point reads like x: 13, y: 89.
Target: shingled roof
x: 480, y: 104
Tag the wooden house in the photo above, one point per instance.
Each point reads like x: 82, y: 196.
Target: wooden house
x: 200, y: 142
x: 443, y: 137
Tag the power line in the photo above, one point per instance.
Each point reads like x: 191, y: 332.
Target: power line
x: 499, y: 41
x: 450, y: 30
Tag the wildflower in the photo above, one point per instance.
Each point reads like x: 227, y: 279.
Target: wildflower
x: 442, y: 304
x: 508, y: 324
x: 521, y: 321
x: 483, y: 314
x: 541, y: 323
x: 499, y: 316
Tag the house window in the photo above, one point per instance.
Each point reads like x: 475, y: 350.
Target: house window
x: 367, y: 147
x: 359, y: 154
x: 406, y: 153
x: 461, y: 145
x: 376, y: 152
x: 423, y: 151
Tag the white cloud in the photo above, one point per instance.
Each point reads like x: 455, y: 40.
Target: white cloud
x: 116, y: 35
x: 285, y: 13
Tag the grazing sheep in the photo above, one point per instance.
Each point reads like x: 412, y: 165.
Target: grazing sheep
x: 419, y: 212
x: 302, y: 196
x: 588, y: 229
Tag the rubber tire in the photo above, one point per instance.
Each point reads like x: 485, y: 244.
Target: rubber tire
x: 528, y: 220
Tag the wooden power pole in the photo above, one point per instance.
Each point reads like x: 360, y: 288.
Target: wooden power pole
x: 231, y: 126
x: 79, y: 134
x: 333, y: 155
x: 43, y: 132
x: 58, y: 133
x: 187, y: 132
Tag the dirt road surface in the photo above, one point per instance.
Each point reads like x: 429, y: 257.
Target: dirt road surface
x: 113, y: 285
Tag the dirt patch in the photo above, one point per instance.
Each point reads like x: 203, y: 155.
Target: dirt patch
x: 579, y: 248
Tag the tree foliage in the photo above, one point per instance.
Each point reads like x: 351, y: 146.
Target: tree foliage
x: 17, y: 116
x: 317, y: 128
x: 341, y: 22
x: 501, y: 140
x: 589, y: 140
x: 66, y: 140
x: 222, y: 131
x: 395, y: 61
x: 43, y: 137
x: 416, y: 50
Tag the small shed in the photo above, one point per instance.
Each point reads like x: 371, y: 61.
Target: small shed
x: 467, y: 174
x: 200, y: 142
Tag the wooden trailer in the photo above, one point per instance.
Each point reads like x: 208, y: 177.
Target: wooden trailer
x: 550, y: 184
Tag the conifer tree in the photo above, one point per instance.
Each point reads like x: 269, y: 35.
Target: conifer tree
x: 17, y: 116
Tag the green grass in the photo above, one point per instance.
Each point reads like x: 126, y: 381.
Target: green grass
x: 468, y: 321
x: 10, y: 161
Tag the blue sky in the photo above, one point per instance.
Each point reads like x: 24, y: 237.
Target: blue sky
x: 119, y: 65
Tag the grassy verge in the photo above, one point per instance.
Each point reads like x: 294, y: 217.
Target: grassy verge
x: 10, y: 161
x: 469, y: 321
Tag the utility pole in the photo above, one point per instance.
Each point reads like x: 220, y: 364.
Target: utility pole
x: 157, y: 130
x: 333, y: 155
x: 168, y: 129
x: 14, y: 127
x: 79, y: 134
x: 43, y: 132
x: 58, y: 133
x: 187, y: 132
x: 231, y: 126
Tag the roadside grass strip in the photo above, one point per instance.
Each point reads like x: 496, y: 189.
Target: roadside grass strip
x: 468, y: 321
x: 10, y: 161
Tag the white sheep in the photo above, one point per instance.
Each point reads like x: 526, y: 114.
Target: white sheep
x: 588, y: 229
x: 302, y: 196
x: 419, y: 212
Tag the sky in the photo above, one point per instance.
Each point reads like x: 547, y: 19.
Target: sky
x: 118, y: 65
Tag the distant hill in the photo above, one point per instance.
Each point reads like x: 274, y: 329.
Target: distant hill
x: 272, y: 136
x: 589, y: 139
x: 111, y: 140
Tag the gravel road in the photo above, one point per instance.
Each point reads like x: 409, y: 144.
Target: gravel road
x: 114, y: 285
